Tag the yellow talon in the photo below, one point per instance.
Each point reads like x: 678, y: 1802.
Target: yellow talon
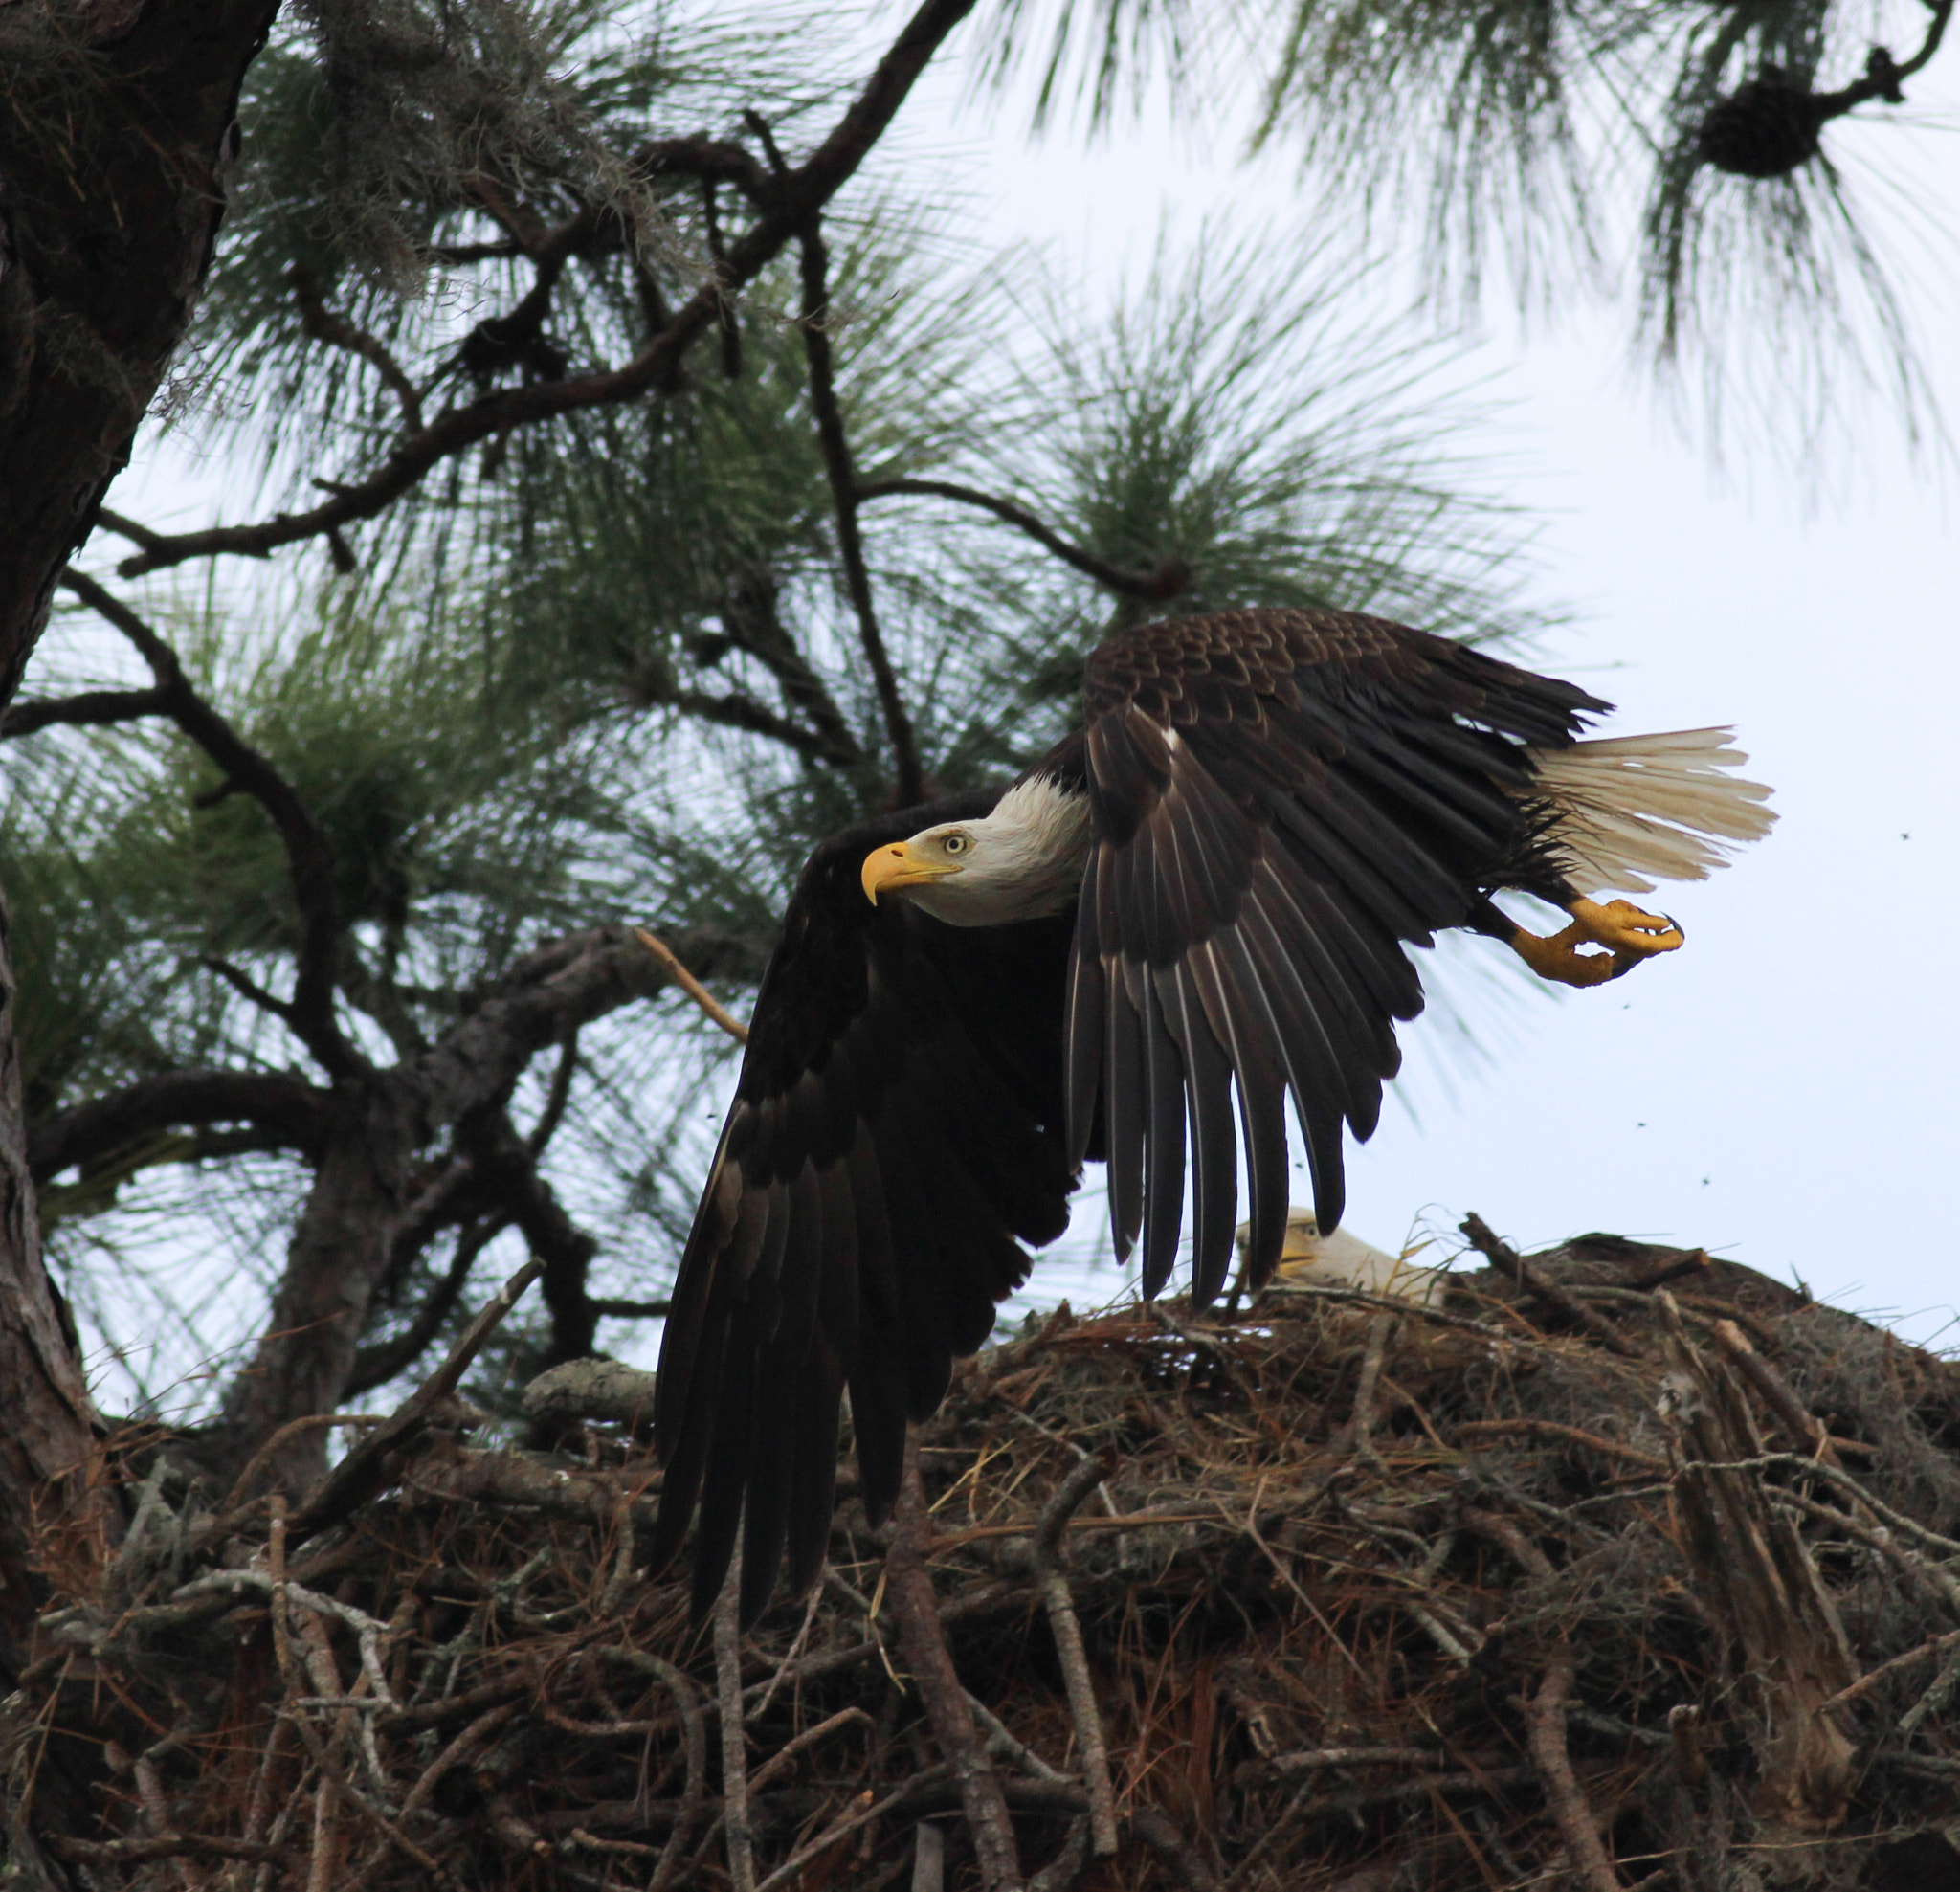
x: 1628, y: 935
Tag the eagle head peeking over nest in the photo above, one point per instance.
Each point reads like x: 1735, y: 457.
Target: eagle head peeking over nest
x: 1206, y: 891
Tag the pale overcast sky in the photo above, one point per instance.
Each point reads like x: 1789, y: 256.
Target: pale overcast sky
x: 1779, y: 1091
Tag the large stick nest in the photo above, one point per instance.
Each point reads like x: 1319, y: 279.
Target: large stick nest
x: 1568, y: 1578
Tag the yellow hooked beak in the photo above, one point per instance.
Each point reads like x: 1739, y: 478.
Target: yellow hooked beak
x: 889, y: 870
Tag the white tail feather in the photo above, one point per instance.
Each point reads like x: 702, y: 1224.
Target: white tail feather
x: 1664, y: 805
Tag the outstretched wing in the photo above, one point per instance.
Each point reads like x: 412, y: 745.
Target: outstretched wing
x: 1283, y: 798
x: 896, y: 1133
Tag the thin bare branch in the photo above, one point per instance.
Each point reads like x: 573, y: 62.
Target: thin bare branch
x: 1066, y: 1628
x: 753, y: 624
x: 361, y: 1472
x: 309, y: 860
x: 1359, y: 1435
x: 631, y: 1310
x: 86, y: 709
x: 741, y: 1842
x: 248, y: 987
x: 1545, y: 1723
x: 565, y: 1249
x: 736, y: 709
x: 1507, y: 1258
x: 1158, y: 587
x: 1885, y: 1671
x: 375, y: 1366
x: 909, y: 780
x: 1885, y: 77
x: 556, y: 1098
x: 710, y: 1004
x: 337, y: 332
x: 1806, y: 1432
x: 1481, y: 1428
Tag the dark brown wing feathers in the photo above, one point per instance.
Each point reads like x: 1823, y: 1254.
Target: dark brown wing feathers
x: 896, y: 1134
x: 1283, y: 800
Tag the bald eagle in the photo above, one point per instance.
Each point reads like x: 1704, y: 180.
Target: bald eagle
x: 1200, y: 898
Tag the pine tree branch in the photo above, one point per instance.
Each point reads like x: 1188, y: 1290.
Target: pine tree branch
x: 754, y: 625
x: 737, y: 710
x: 794, y: 199
x: 378, y: 997
x: 295, y: 1113
x: 1884, y: 76
x: 131, y: 529
x: 550, y: 991
x: 450, y: 1197
x: 556, y: 1097
x: 909, y: 782
x: 376, y: 1364
x: 1169, y: 579
x: 86, y: 708
x: 248, y: 987
x: 564, y: 1249
x: 518, y: 335
x: 309, y: 861
x: 367, y: 1209
x: 337, y: 332
x: 711, y: 161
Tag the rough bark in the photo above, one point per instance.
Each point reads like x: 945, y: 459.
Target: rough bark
x: 111, y: 138
x: 46, y: 1438
x: 113, y: 121
x: 338, y: 1254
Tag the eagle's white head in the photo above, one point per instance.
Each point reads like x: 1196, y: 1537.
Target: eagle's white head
x: 1309, y: 1258
x: 1022, y: 862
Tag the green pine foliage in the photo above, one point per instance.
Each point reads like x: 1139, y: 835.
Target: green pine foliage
x: 606, y: 666
x: 1503, y: 136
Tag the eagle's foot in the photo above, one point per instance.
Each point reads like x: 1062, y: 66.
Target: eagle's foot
x: 1628, y: 935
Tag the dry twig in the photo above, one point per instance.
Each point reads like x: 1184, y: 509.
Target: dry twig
x: 1067, y: 1631
x: 1507, y: 1258
x: 741, y: 1842
x: 711, y: 1007
x: 923, y: 1640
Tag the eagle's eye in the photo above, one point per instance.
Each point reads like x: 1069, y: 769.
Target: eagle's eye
x: 956, y: 843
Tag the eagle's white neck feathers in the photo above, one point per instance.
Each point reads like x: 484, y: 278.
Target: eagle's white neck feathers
x: 1025, y: 863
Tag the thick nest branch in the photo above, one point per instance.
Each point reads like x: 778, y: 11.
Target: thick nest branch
x: 1522, y: 1588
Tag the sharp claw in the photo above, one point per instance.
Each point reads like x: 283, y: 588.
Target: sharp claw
x: 1629, y: 936
x: 1622, y: 927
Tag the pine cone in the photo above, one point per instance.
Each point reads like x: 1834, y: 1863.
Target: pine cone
x: 1764, y: 128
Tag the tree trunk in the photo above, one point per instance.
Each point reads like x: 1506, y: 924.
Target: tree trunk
x: 113, y: 123
x: 111, y: 146
x: 47, y: 1427
x: 338, y: 1255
